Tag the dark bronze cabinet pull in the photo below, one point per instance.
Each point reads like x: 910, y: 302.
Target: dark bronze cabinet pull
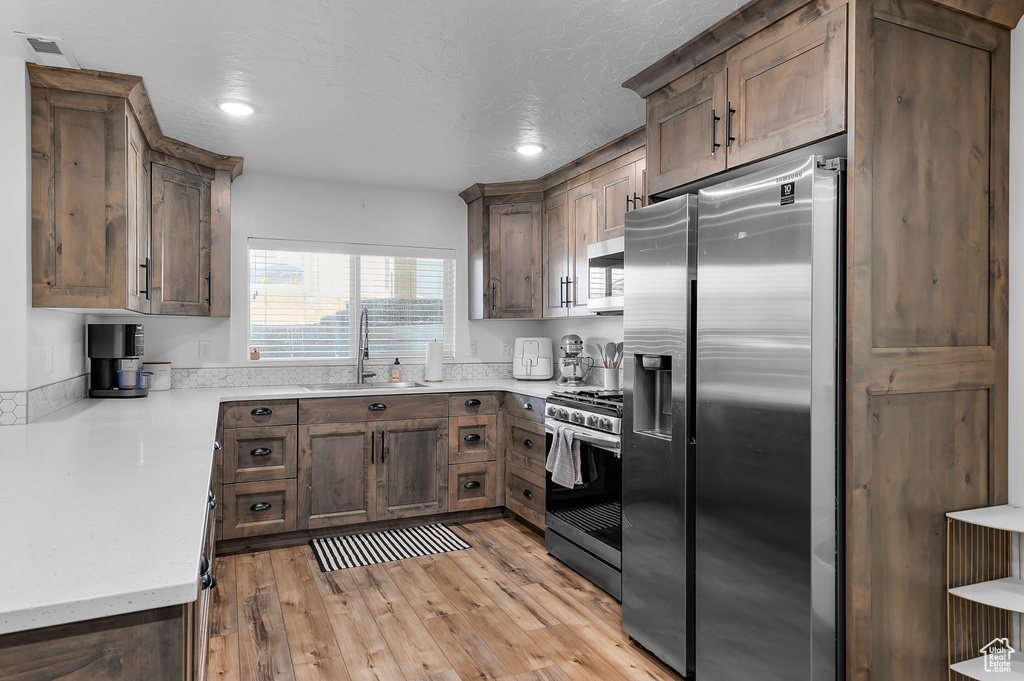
x: 528, y: 443
x: 261, y: 451
x: 204, y: 565
x: 472, y: 484
x: 209, y: 285
x: 638, y: 201
x: 148, y: 291
x: 729, y: 138
x: 209, y: 582
x: 472, y: 403
x: 527, y: 406
x: 260, y: 506
x: 216, y: 446
x: 262, y: 411
x: 373, y: 445
x: 472, y: 437
x: 378, y: 406
x: 213, y: 500
x: 528, y: 494
x: 714, y: 132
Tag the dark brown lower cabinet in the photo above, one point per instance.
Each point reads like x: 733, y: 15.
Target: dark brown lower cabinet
x: 373, y: 470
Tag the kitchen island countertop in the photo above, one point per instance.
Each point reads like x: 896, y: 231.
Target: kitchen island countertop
x: 105, y: 499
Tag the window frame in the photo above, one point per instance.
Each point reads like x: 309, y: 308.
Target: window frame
x: 350, y: 249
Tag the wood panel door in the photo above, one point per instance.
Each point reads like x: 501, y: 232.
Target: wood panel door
x: 138, y: 219
x: 787, y: 85
x: 615, y: 197
x: 514, y: 232
x: 686, y: 128
x: 412, y: 474
x: 181, y: 242
x: 556, y: 256
x: 927, y: 323
x: 336, y: 477
x: 79, y: 200
x: 581, y: 203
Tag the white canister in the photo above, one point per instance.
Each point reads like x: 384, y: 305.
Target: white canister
x: 161, y: 375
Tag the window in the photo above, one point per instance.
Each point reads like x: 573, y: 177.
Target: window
x: 305, y: 299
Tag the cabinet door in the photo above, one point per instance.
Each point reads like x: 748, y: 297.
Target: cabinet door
x: 686, y: 128
x: 412, y: 476
x: 515, y: 260
x: 787, y: 85
x: 556, y: 255
x: 336, y: 480
x: 581, y: 202
x: 139, y: 265
x: 79, y: 200
x: 181, y: 242
x: 615, y: 191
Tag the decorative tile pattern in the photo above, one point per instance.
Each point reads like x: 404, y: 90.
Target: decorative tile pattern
x: 13, y: 408
x: 233, y: 377
x: 49, y: 398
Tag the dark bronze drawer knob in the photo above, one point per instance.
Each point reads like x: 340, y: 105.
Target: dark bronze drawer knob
x: 216, y: 446
x: 213, y: 499
x: 261, y: 451
x: 204, y: 565
x: 209, y: 582
x: 472, y: 484
x: 260, y: 506
x: 472, y: 437
x: 528, y: 443
x: 262, y: 411
x: 378, y: 406
x: 528, y: 494
x: 472, y: 403
x: 527, y: 406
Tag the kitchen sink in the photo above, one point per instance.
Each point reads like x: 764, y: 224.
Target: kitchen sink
x: 321, y: 387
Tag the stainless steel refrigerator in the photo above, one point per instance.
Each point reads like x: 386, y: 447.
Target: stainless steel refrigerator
x: 657, y: 433
x: 768, y: 425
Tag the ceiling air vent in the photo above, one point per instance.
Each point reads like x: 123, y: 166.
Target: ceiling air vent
x: 48, y: 51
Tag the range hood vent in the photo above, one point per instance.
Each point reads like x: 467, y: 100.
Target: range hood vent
x: 48, y: 51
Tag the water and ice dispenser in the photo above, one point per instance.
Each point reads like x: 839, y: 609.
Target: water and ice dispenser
x: 652, y: 395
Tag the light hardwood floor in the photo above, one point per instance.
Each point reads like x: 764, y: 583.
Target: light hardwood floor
x: 502, y: 610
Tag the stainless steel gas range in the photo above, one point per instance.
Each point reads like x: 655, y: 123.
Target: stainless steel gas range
x: 584, y: 522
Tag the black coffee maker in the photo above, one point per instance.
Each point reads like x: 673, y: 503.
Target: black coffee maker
x: 115, y: 348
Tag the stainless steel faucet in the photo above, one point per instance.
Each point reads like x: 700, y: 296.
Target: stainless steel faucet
x: 364, y: 348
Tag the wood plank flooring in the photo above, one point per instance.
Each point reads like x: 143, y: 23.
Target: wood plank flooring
x: 503, y: 610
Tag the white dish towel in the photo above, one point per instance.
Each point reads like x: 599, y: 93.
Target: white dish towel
x: 564, y: 458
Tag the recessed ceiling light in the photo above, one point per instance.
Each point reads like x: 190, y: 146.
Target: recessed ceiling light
x: 235, y: 107
x: 529, y: 149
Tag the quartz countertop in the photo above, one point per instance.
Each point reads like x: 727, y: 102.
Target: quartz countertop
x: 106, y: 499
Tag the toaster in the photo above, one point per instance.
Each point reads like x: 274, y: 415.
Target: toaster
x: 532, y: 359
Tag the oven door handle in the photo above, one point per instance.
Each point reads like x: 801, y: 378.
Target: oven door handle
x: 613, y: 446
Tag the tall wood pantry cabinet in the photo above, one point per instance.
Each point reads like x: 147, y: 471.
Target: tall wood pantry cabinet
x: 921, y: 89
x: 122, y: 216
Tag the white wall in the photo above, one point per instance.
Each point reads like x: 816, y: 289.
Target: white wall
x: 1016, y: 270
x: 37, y: 347
x: 269, y: 206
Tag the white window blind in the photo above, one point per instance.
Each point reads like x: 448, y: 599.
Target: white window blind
x: 305, y: 299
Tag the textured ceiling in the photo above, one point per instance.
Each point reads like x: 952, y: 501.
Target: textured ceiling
x: 425, y: 94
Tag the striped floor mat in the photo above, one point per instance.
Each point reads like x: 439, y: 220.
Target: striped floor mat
x: 592, y: 518
x: 338, y: 553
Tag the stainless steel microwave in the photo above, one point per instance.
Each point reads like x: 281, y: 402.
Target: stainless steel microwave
x: 606, y: 276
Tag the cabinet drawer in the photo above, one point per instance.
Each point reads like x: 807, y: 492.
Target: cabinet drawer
x: 252, y: 454
x: 524, y: 494
x: 259, y: 413
x: 254, y: 508
x: 525, y: 407
x: 471, y: 404
x: 527, y: 446
x: 384, y: 407
x: 472, y: 485
x: 472, y: 438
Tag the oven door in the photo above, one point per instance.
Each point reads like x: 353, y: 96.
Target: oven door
x: 584, y: 524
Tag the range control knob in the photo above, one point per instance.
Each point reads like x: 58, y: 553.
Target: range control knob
x: 552, y: 410
x: 606, y: 424
x: 563, y: 414
x: 577, y: 418
x: 593, y: 421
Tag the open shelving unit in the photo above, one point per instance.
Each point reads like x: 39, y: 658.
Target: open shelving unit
x: 983, y: 598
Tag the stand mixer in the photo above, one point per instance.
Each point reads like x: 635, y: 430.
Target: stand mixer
x: 572, y: 365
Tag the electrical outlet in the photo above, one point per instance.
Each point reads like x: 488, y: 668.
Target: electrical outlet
x: 204, y: 349
x: 506, y: 348
x: 472, y: 349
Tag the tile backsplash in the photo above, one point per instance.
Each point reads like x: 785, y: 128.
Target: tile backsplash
x: 24, y: 406
x: 14, y: 408
x: 231, y: 377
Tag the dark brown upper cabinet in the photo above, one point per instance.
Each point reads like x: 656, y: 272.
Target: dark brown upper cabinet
x: 123, y: 218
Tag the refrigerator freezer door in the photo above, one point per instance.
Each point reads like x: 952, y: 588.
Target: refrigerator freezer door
x: 766, y: 427
x: 657, y: 459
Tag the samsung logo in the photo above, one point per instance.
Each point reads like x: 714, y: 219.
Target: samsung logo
x: 788, y: 178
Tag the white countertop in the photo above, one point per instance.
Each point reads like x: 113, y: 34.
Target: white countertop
x: 105, y: 500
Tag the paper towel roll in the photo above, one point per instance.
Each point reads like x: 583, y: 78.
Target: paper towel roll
x: 432, y: 371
